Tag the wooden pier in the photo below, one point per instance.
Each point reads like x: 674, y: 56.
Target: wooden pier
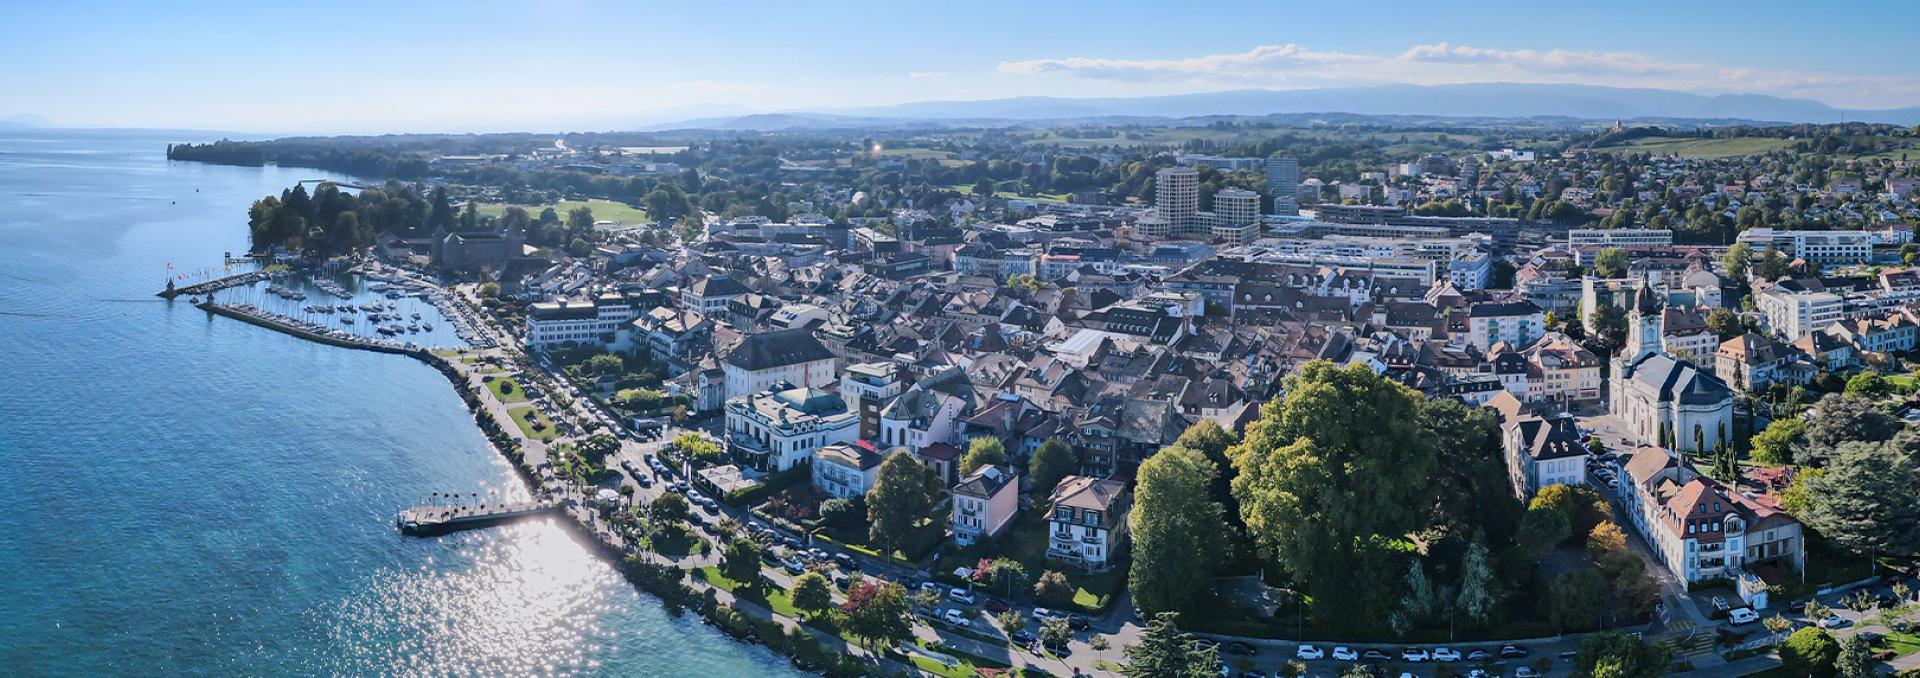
x: 429, y: 520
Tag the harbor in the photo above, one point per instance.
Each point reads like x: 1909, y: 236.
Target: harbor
x: 364, y: 305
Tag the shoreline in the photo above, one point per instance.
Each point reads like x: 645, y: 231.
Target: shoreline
x: 673, y: 586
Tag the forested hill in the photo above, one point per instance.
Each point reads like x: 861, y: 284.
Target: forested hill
x: 364, y: 162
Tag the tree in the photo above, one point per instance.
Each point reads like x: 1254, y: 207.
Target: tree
x: 1055, y: 633
x: 1579, y: 598
x: 1164, y: 651
x: 580, y: 221
x: 1099, y: 645
x: 1839, y: 419
x: 1418, y: 603
x: 1610, y: 263
x: 1809, y: 652
x: 690, y: 227
x: 812, y: 594
x: 1053, y: 461
x: 878, y: 613
x: 1053, y: 589
x: 671, y: 508
x: 741, y: 562
x: 1617, y: 655
x: 1725, y: 324
x: 983, y: 188
x: 1469, y: 478
x: 1011, y: 621
x: 1773, y: 264
x: 1328, y: 477
x: 696, y: 447
x: 1869, y: 385
x: 1479, y: 592
x: 1541, y: 529
x: 843, y: 512
x: 579, y: 248
x: 1001, y: 573
x: 983, y: 451
x: 1177, y: 532
x: 597, y: 447
x: 1855, y: 658
x: 489, y: 290
x: 902, y: 494
x: 1583, y: 506
x: 1865, y: 500
x: 1736, y: 260
x: 1778, y: 444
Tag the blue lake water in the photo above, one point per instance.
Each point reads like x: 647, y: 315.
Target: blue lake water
x: 182, y: 494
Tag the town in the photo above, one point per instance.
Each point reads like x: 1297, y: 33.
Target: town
x: 1241, y: 400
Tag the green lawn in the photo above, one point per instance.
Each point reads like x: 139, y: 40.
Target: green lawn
x: 968, y: 667
x: 608, y: 210
x: 507, y: 390
x: 1898, y: 643
x: 967, y: 189
x: 525, y: 417
x: 1702, y: 148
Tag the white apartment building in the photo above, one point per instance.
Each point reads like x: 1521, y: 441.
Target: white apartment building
x: 845, y: 471
x: 1236, y: 207
x: 1817, y: 247
x: 1700, y: 530
x: 1176, y: 194
x: 984, y: 504
x: 781, y: 357
x: 1519, y: 323
x: 1087, y: 521
x: 1620, y: 237
x: 1794, y: 314
x: 1471, y: 270
x: 578, y: 323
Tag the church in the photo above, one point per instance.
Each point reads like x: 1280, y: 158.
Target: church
x: 1665, y: 400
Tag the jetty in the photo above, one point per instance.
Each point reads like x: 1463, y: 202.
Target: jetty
x: 214, y: 285
x: 431, y: 520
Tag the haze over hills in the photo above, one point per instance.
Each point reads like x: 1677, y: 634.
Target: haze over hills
x: 1480, y: 100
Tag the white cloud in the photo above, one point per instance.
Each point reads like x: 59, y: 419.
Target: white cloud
x: 1293, y: 65
x: 927, y: 75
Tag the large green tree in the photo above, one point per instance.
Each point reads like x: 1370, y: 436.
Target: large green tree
x: 1053, y: 461
x: 741, y: 562
x: 902, y: 494
x: 983, y: 451
x: 1579, y: 598
x: 878, y: 613
x: 1809, y: 652
x: 1617, y: 655
x: 1469, y: 480
x: 1778, y: 444
x: 812, y: 593
x: 1610, y: 263
x: 1866, y: 499
x: 1541, y: 529
x: 1838, y: 419
x: 1329, y: 478
x: 1177, y: 532
x: 1164, y: 651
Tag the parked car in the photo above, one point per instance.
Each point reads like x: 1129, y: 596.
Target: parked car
x: 1023, y: 637
x: 1835, y: 622
x: 1373, y: 655
x: 793, y: 566
x: 1478, y: 655
x: 996, y: 605
x: 955, y: 617
x: 1043, y: 615
x: 960, y: 595
x: 1742, y: 616
x: 930, y: 587
x: 1233, y: 647
x: 1446, y: 654
x: 1309, y: 653
x: 1513, y: 652
x: 1414, y: 654
x: 1081, y: 623
x: 1525, y: 672
x: 1345, y: 654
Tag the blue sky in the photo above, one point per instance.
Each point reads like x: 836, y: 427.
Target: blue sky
x: 421, y: 66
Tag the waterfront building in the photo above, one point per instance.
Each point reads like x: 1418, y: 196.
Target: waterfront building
x: 774, y: 429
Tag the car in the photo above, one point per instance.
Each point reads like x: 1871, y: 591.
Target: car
x: 1233, y: 647
x: 1835, y: 622
x: 1198, y: 643
x: 1373, y: 655
x: 1081, y: 623
x: 1446, y: 654
x: 1477, y: 673
x: 1023, y: 637
x: 960, y: 595
x: 1742, y: 616
x: 846, y: 561
x: 1478, y: 655
x: 1345, y: 654
x: 930, y: 587
x: 842, y: 581
x: 793, y: 566
x: 1525, y: 672
x: 1309, y: 653
x: 1042, y: 614
x: 996, y: 605
x: 1513, y: 652
x: 955, y: 617
x: 1414, y: 654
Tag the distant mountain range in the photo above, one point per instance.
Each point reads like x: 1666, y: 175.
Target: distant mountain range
x: 1487, y: 100
x: 23, y: 121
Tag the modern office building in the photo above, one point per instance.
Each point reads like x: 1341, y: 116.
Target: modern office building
x: 1177, y: 196
x: 1283, y: 183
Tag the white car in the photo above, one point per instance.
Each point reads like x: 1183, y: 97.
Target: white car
x: 1525, y: 672
x: 955, y: 617
x: 1041, y: 614
x: 960, y: 595
x: 1309, y: 653
x: 1446, y: 654
x: 1414, y: 654
x: 1345, y: 654
x: 1741, y: 616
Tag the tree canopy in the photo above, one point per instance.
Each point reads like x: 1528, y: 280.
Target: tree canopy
x: 1177, y: 532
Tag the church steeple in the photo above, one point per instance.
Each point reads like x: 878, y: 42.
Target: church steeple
x: 1644, y: 323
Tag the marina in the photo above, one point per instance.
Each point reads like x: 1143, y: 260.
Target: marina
x: 366, y: 304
